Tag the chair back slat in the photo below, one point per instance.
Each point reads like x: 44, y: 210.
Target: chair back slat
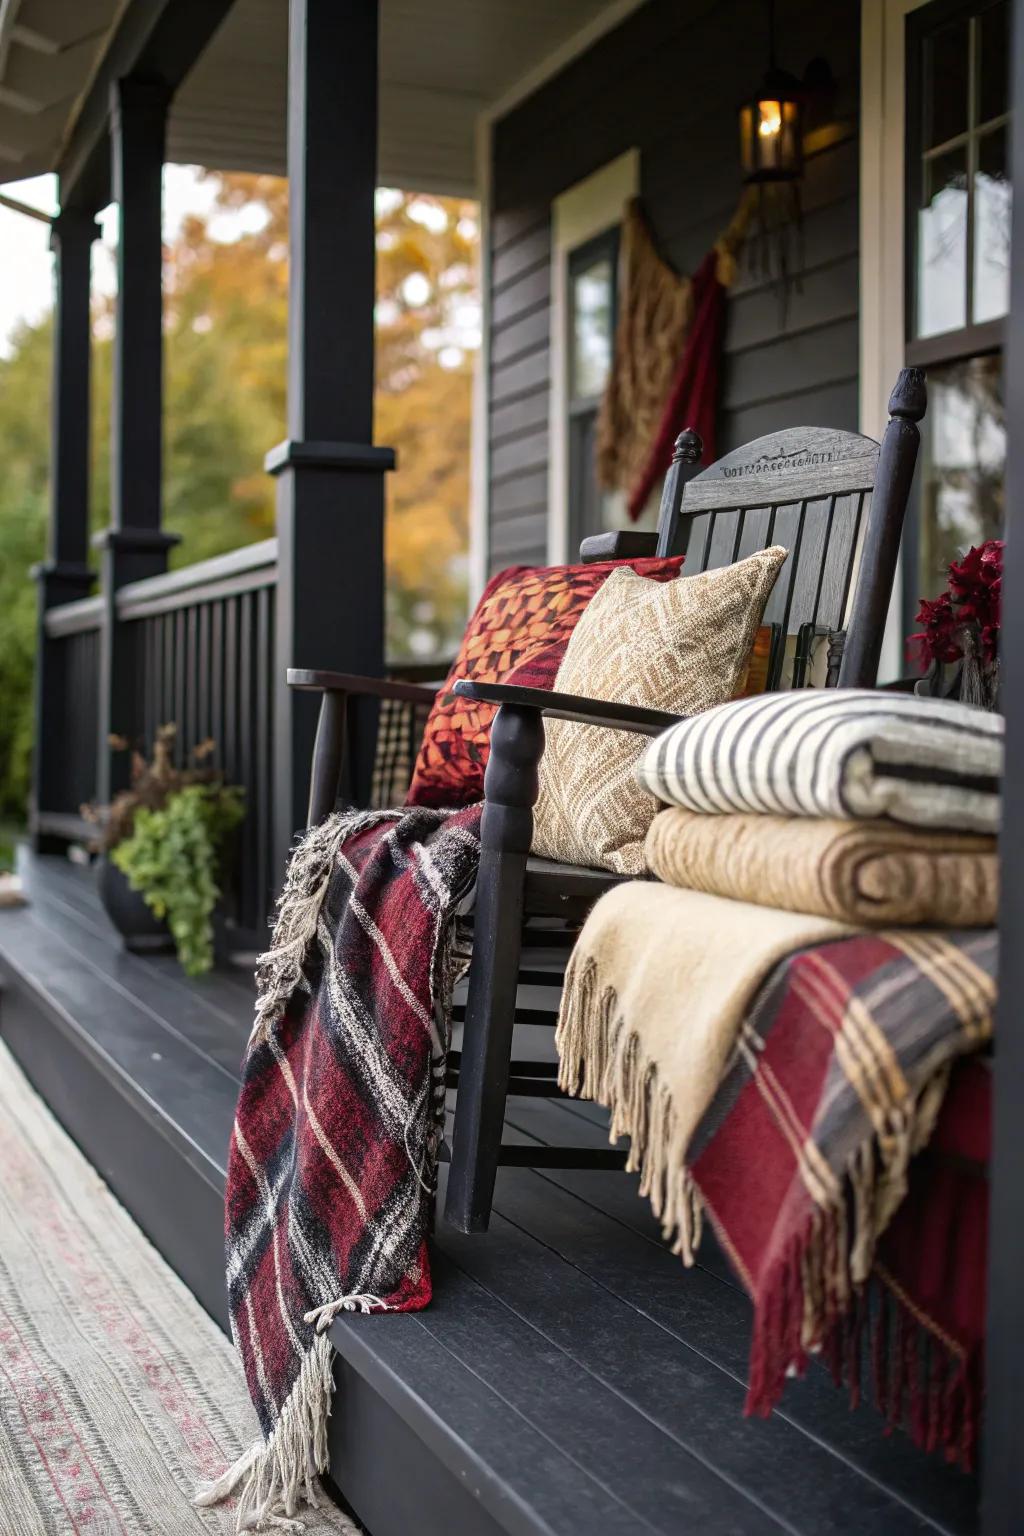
x: 806, y: 488
x: 722, y: 543
x: 810, y: 561
x: 837, y: 568
x: 787, y: 530
x: 693, y: 540
x: 756, y: 533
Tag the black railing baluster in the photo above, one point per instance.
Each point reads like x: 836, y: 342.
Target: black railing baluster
x: 203, y: 678
x: 262, y: 747
x: 180, y: 675
x: 216, y: 661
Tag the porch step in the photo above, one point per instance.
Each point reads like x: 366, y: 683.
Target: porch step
x: 569, y: 1378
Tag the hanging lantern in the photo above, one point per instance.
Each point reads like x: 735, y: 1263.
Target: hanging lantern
x: 772, y: 158
x: 771, y: 130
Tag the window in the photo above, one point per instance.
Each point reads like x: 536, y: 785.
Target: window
x: 958, y: 267
x: 585, y: 236
x: 592, y: 289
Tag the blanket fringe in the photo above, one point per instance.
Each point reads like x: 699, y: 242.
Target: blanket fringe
x: 600, y: 1059
x: 920, y: 1380
x: 817, y: 1298
x: 323, y: 1317
x: 279, y: 972
x: 276, y: 1475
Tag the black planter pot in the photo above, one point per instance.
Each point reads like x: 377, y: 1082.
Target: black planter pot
x: 141, y: 931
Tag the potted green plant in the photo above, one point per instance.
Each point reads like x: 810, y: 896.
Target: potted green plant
x: 163, y: 843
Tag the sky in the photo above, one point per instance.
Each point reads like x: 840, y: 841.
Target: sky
x: 26, y: 265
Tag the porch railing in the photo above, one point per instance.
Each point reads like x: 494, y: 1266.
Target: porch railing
x: 73, y: 634
x: 201, y: 646
x: 202, y: 639
x: 201, y: 643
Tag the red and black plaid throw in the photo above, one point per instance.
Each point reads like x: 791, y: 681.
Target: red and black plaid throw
x: 804, y: 1160
x: 334, y: 1150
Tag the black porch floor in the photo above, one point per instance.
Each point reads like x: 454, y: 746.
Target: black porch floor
x: 570, y: 1376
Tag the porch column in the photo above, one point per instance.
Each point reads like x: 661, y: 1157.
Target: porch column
x: 134, y: 545
x: 64, y: 575
x: 330, y: 477
x: 1002, y: 1483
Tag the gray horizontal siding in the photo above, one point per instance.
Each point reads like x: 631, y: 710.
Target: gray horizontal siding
x: 667, y: 81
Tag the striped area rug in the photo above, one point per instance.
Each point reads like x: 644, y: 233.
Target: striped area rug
x: 118, y: 1394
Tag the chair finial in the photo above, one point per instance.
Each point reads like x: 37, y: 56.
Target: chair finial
x: 688, y: 447
x: 909, y: 397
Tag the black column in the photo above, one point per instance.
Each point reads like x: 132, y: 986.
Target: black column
x: 64, y: 575
x: 138, y: 120
x: 330, y: 485
x: 1002, y: 1488
x: 133, y: 546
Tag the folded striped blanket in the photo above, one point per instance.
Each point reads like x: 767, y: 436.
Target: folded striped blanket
x: 870, y: 873
x: 850, y: 753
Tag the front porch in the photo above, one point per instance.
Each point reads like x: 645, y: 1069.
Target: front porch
x: 569, y: 1377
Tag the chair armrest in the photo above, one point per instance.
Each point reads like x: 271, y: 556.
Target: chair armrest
x: 570, y: 706
x: 624, y: 544
x: 349, y: 682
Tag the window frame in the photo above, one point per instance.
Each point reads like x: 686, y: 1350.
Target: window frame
x: 581, y: 211
x: 975, y: 337
x: 607, y: 242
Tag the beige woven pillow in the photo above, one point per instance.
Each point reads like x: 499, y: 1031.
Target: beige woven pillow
x: 677, y: 645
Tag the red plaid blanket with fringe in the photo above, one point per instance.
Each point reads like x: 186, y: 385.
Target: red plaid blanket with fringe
x: 334, y: 1152
x: 804, y: 1160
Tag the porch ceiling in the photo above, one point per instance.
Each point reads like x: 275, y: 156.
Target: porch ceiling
x: 442, y: 63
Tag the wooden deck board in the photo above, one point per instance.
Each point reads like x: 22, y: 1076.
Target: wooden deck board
x: 570, y: 1377
x: 70, y: 905
x: 677, y: 1299
x: 570, y: 1403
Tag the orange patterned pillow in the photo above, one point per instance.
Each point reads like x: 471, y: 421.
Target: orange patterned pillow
x: 523, y: 610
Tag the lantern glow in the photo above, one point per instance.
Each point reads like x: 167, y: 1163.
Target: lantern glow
x: 770, y: 118
x: 771, y: 131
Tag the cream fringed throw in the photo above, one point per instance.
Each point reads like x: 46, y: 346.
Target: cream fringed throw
x: 866, y: 872
x: 655, y: 310
x: 655, y: 993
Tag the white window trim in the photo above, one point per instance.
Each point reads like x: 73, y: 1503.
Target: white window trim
x: 577, y: 215
x: 882, y: 204
x: 882, y: 226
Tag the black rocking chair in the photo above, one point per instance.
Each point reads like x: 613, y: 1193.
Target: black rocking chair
x: 837, y: 501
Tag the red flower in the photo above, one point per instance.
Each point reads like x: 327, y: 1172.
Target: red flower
x: 938, y: 639
x: 972, y: 598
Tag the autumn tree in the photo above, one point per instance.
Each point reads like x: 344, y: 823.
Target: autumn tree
x: 226, y: 318
x: 226, y: 284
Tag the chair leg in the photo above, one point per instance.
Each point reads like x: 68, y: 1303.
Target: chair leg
x: 510, y: 790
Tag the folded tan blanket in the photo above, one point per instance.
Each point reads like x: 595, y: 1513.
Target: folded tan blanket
x: 655, y: 993
x: 864, y: 872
